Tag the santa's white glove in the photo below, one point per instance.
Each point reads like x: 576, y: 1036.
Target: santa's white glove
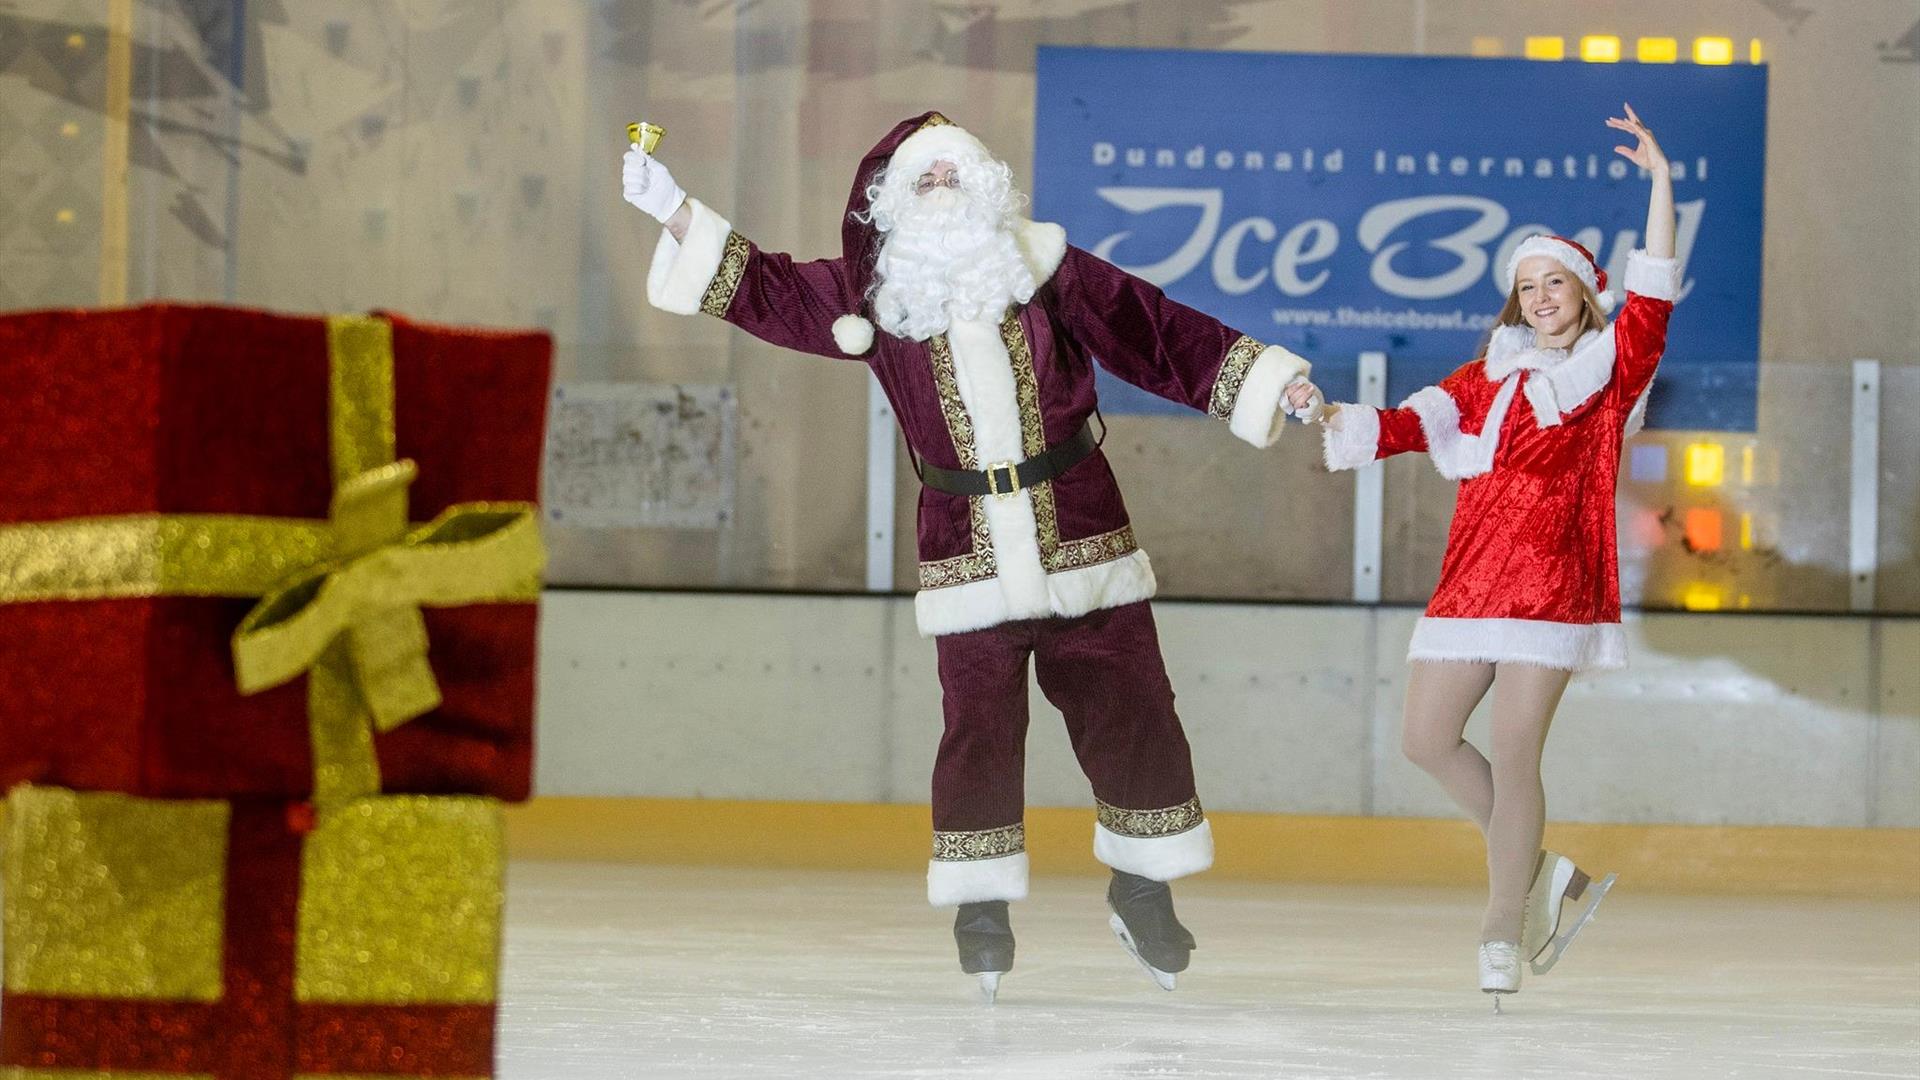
x: 1308, y: 413
x: 648, y: 185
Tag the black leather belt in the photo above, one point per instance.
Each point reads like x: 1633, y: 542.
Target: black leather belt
x: 1006, y: 477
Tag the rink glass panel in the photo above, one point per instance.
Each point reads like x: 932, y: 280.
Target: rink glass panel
x: 456, y: 162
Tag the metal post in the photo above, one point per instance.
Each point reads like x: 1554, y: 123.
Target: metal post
x: 114, y: 154
x: 1863, y: 543
x: 880, y: 461
x: 1369, y: 491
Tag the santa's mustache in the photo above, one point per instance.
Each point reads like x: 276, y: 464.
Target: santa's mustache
x: 948, y: 211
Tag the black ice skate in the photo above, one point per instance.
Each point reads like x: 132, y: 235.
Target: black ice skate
x: 1144, y: 921
x: 985, y: 936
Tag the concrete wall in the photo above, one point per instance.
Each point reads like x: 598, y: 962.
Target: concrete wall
x: 1748, y: 720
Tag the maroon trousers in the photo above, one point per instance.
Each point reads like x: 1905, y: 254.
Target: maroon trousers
x: 1103, y: 671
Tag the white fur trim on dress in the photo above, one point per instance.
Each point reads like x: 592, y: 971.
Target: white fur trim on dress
x: 938, y: 142
x: 1652, y: 276
x: 977, y: 605
x: 1563, y: 380
x: 1567, y: 646
x: 1355, y: 442
x: 1162, y: 858
x: 853, y: 334
x: 1258, y: 410
x: 950, y: 884
x: 677, y: 279
x: 1042, y: 245
x: 1456, y: 454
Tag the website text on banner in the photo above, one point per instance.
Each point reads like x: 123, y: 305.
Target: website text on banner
x: 1341, y: 204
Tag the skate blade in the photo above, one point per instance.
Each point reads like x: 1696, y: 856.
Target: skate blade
x: 1162, y: 979
x: 1596, y: 892
x: 990, y: 985
x: 1496, y: 995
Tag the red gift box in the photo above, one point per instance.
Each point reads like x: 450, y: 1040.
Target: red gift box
x: 176, y: 410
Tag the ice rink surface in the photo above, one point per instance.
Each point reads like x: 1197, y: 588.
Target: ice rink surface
x: 665, y: 972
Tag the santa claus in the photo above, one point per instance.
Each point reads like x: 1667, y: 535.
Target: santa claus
x: 983, y: 328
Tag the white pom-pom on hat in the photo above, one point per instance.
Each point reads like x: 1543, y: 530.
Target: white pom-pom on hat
x: 853, y: 334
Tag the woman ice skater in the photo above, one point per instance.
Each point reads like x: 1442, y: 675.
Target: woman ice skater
x: 1529, y: 588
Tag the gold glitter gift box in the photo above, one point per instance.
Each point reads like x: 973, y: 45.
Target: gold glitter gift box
x: 250, y: 940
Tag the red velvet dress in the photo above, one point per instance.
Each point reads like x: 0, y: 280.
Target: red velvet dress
x: 1531, y: 573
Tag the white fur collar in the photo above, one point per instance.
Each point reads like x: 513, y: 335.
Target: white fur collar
x: 1042, y: 244
x: 1512, y: 349
x: 1563, y: 379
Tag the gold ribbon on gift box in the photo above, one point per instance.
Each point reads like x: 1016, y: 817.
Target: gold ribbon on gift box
x: 340, y: 599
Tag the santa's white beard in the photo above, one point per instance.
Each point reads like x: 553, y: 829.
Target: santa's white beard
x: 947, y: 257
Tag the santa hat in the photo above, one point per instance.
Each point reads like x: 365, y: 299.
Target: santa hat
x: 913, y: 144
x: 1578, y: 260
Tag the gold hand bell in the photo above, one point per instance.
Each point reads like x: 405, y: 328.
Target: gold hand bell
x: 644, y: 135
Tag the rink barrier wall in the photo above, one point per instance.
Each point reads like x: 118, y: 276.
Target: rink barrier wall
x: 1291, y: 710
x: 1248, y: 847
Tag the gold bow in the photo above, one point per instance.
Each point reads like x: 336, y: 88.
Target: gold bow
x: 340, y: 599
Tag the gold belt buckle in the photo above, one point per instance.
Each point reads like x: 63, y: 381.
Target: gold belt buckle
x: 1013, y: 479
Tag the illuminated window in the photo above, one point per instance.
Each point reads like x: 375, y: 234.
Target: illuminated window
x: 1547, y: 48
x: 1713, y: 50
x: 1656, y: 50
x: 1488, y: 46
x: 1703, y: 529
x: 1600, y: 49
x: 1755, y: 54
x: 1746, y: 532
x: 64, y: 216
x: 1746, y: 465
x: 1701, y: 596
x: 1706, y: 464
x: 1647, y: 463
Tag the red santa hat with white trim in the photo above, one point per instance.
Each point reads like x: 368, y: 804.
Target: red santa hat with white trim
x: 913, y: 144
x: 1577, y: 259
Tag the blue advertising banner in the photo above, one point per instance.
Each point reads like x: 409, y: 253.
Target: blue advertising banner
x: 1341, y: 204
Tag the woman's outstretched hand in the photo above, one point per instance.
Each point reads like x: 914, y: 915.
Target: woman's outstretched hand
x: 1647, y: 153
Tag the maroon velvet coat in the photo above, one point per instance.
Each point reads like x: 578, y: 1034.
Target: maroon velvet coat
x: 1085, y: 311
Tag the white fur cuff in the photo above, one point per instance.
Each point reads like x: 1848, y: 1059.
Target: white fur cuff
x: 1162, y: 858
x: 1355, y: 442
x: 1257, y: 415
x: 1652, y: 276
x: 950, y: 884
x: 678, y: 278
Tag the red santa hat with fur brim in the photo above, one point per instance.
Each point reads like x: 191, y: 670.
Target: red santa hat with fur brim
x: 1570, y: 254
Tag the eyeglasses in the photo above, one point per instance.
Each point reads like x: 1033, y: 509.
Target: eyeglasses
x: 928, y: 182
